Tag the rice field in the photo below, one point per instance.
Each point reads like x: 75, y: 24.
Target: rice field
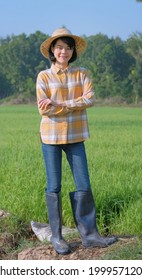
x: 114, y: 153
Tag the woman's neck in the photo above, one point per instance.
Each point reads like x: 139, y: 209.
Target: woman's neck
x: 61, y: 66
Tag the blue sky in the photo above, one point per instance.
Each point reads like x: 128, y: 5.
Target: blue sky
x: 111, y: 17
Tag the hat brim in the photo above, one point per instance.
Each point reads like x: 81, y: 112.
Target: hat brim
x: 80, y: 44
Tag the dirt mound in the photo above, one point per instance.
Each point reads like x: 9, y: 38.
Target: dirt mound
x: 12, y: 249
x: 46, y: 252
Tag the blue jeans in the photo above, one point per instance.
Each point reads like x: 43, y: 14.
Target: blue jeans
x: 76, y: 156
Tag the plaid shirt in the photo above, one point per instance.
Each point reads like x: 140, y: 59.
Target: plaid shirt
x: 72, y: 87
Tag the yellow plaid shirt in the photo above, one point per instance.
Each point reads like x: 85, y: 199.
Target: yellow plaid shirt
x: 73, y: 88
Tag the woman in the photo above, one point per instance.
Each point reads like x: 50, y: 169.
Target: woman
x: 63, y: 94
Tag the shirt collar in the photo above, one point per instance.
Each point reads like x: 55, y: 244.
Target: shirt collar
x: 58, y: 70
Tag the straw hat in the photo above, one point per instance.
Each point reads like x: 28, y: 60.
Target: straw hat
x: 80, y: 43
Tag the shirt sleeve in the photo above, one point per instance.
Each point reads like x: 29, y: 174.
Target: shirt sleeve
x: 41, y: 90
x: 87, y: 99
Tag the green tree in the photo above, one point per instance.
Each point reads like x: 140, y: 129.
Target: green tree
x: 109, y: 64
x: 134, y: 47
x: 5, y: 87
x: 20, y: 61
x: 114, y: 65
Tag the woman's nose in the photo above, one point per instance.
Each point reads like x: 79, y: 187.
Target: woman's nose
x: 64, y: 50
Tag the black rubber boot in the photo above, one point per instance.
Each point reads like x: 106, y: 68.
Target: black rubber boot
x: 84, y: 213
x: 55, y: 220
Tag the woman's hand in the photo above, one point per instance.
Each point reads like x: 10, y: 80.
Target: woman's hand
x: 44, y: 103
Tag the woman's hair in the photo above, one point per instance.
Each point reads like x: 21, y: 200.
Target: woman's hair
x: 70, y: 42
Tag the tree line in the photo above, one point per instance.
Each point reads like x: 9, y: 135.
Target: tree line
x: 115, y: 66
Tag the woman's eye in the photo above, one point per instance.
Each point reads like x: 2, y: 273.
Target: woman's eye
x: 61, y: 48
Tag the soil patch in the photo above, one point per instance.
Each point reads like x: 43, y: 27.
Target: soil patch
x: 46, y: 252
x: 11, y: 249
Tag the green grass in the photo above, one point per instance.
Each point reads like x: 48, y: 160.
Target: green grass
x: 128, y: 249
x: 114, y: 160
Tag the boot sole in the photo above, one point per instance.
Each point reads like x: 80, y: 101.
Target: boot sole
x: 63, y: 253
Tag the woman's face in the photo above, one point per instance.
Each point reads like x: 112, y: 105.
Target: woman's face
x: 62, y: 53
